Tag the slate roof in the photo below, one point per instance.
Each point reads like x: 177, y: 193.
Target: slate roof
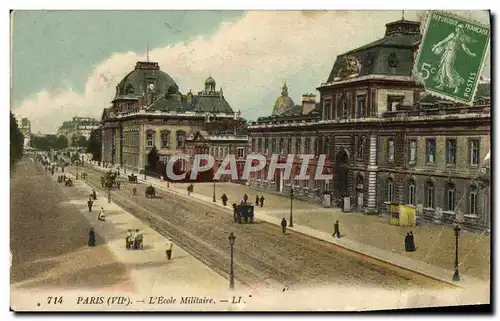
x: 392, y: 55
x: 197, y: 103
x: 483, y: 91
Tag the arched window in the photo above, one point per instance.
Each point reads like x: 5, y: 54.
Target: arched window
x: 429, y: 194
x: 150, y: 138
x: 473, y: 200
x: 411, y: 192
x: 361, y: 141
x: 450, y: 197
x: 390, y: 189
x: 181, y: 139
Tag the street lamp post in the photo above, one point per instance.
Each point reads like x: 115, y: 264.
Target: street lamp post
x: 77, y: 161
x: 456, y: 275
x: 109, y: 194
x: 232, y: 239
x: 168, y: 183
x: 291, y: 208
x: 213, y: 200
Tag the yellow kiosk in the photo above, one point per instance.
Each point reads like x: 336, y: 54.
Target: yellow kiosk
x: 402, y: 215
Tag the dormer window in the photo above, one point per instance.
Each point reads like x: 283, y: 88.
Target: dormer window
x: 129, y: 89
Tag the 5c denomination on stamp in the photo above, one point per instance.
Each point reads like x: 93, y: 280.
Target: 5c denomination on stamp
x: 451, y: 56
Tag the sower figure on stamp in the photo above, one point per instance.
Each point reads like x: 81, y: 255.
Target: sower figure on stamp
x: 283, y: 225
x: 169, y: 248
x: 336, y: 229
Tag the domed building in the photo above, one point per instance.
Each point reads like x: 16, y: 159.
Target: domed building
x: 148, y: 111
x: 283, y: 103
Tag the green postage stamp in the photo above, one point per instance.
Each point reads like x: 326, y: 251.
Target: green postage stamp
x: 451, y: 56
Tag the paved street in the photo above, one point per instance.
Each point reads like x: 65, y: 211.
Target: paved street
x: 262, y: 254
x: 436, y: 244
x: 48, y: 239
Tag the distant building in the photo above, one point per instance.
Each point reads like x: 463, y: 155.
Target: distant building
x: 25, y: 128
x: 149, y: 111
x: 386, y: 140
x: 78, y: 126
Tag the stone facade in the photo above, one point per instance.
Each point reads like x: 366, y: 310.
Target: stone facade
x: 148, y: 111
x: 386, y: 140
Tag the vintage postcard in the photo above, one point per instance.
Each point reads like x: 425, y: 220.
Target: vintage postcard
x: 249, y: 160
x: 451, y: 56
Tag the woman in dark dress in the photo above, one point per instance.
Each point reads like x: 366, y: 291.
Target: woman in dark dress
x: 91, y: 237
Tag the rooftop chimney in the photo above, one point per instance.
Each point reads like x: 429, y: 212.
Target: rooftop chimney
x: 308, y: 103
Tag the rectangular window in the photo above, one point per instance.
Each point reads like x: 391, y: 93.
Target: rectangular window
x: 241, y: 152
x: 361, y: 147
x: 450, y: 202
x: 289, y: 146
x: 412, y: 151
x: 165, y: 139
x: 282, y: 146
x: 473, y: 203
x: 149, y: 139
x: 429, y: 200
x: 451, y: 151
x: 393, y: 101
x: 181, y: 138
x: 297, y: 145
x: 390, y: 150
x: 474, y: 151
x: 316, y: 146
x: 273, y: 145
x: 431, y: 150
x: 307, y: 145
x: 266, y: 145
x: 411, y: 196
x: 259, y: 145
x: 328, y: 108
x: 253, y: 145
x: 361, y: 107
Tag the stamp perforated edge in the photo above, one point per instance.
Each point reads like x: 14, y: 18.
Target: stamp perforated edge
x: 416, y: 74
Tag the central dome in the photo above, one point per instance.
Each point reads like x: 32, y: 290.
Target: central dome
x: 139, y: 80
x: 283, y: 102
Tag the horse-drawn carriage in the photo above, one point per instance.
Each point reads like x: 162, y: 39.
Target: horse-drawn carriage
x: 132, y: 179
x: 111, y: 180
x: 243, y: 213
x: 150, y: 191
x: 68, y: 182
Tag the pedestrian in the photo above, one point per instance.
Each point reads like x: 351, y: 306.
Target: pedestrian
x: 138, y: 239
x: 224, y: 199
x: 336, y: 229
x: 134, y: 191
x: 257, y: 200
x: 407, y: 242
x: 91, y: 237
x: 128, y: 239
x: 261, y: 200
x: 118, y: 184
x: 101, y: 216
x: 245, y: 198
x: 94, y: 194
x: 283, y: 225
x: 412, y: 242
x: 89, y: 204
x: 170, y: 246
x: 189, y: 189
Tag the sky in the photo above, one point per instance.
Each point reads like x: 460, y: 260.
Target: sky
x: 68, y: 63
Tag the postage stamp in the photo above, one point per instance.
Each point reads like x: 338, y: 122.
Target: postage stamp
x: 451, y: 56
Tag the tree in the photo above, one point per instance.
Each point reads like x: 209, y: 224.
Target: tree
x: 61, y: 142
x: 16, y: 141
x: 153, y: 159
x: 81, y: 141
x: 94, y: 144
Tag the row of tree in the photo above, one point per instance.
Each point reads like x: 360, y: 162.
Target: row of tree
x: 16, y: 141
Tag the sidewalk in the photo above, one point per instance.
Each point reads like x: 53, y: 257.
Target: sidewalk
x: 316, y: 222
x: 149, y: 268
